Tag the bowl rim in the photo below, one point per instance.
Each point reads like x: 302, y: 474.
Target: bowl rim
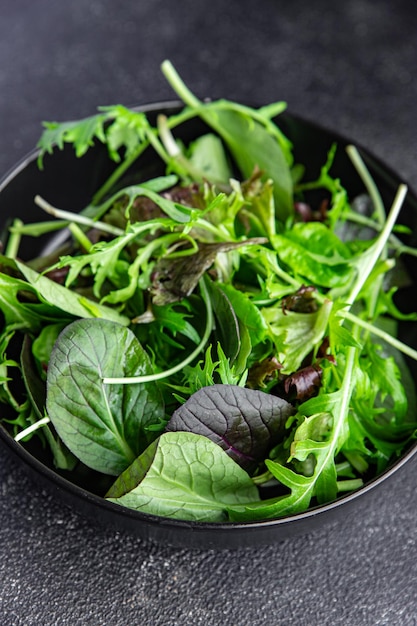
x: 66, y: 486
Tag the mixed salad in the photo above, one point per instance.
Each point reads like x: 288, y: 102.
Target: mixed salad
x: 217, y: 343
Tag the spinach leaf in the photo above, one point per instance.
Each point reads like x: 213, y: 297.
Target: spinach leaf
x: 36, y: 390
x: 184, y: 476
x: 246, y: 423
x: 105, y: 426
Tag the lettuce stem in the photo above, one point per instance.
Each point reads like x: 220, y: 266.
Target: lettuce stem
x: 32, y: 428
x: 70, y: 217
x: 13, y: 242
x: 368, y: 181
x: 378, y: 332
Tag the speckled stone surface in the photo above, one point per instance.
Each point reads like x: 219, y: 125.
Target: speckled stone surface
x: 351, y: 66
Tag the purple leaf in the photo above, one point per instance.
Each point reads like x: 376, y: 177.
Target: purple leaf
x: 246, y: 423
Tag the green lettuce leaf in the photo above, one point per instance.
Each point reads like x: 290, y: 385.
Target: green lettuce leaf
x: 105, y: 426
x: 184, y: 476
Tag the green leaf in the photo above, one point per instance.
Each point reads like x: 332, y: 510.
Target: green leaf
x: 81, y: 133
x: 105, y: 426
x: 127, y: 130
x: 116, y: 125
x: 261, y: 210
x: 322, y: 430
x: 175, y: 320
x: 296, y: 334
x: 184, y: 476
x: 313, y: 251
x: 42, y: 344
x: 17, y: 313
x: 208, y: 156
x: 246, y: 311
x: 68, y: 301
x: 253, y: 148
x: 227, y: 324
x: 36, y: 390
x: 253, y: 140
x: 200, y: 375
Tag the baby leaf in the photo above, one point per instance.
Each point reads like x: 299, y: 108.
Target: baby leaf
x: 250, y: 140
x: 184, y: 476
x: 246, y: 423
x: 175, y: 278
x: 17, y: 313
x: 312, y: 250
x: 35, y: 387
x: 227, y: 323
x: 208, y: 156
x: 66, y: 300
x: 81, y: 133
x: 296, y: 334
x: 253, y: 147
x: 105, y: 426
x: 247, y: 312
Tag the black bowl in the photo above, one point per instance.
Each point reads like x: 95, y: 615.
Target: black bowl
x: 69, y: 182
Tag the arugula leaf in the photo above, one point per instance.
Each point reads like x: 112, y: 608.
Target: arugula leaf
x: 184, y: 476
x: 175, y: 320
x: 128, y: 129
x: 105, y: 426
x: 322, y: 431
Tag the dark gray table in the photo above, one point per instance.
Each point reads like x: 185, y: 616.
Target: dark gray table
x: 351, y: 66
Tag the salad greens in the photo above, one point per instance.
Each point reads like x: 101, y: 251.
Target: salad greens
x: 217, y: 342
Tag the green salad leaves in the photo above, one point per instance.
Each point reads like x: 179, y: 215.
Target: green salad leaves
x: 217, y: 342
